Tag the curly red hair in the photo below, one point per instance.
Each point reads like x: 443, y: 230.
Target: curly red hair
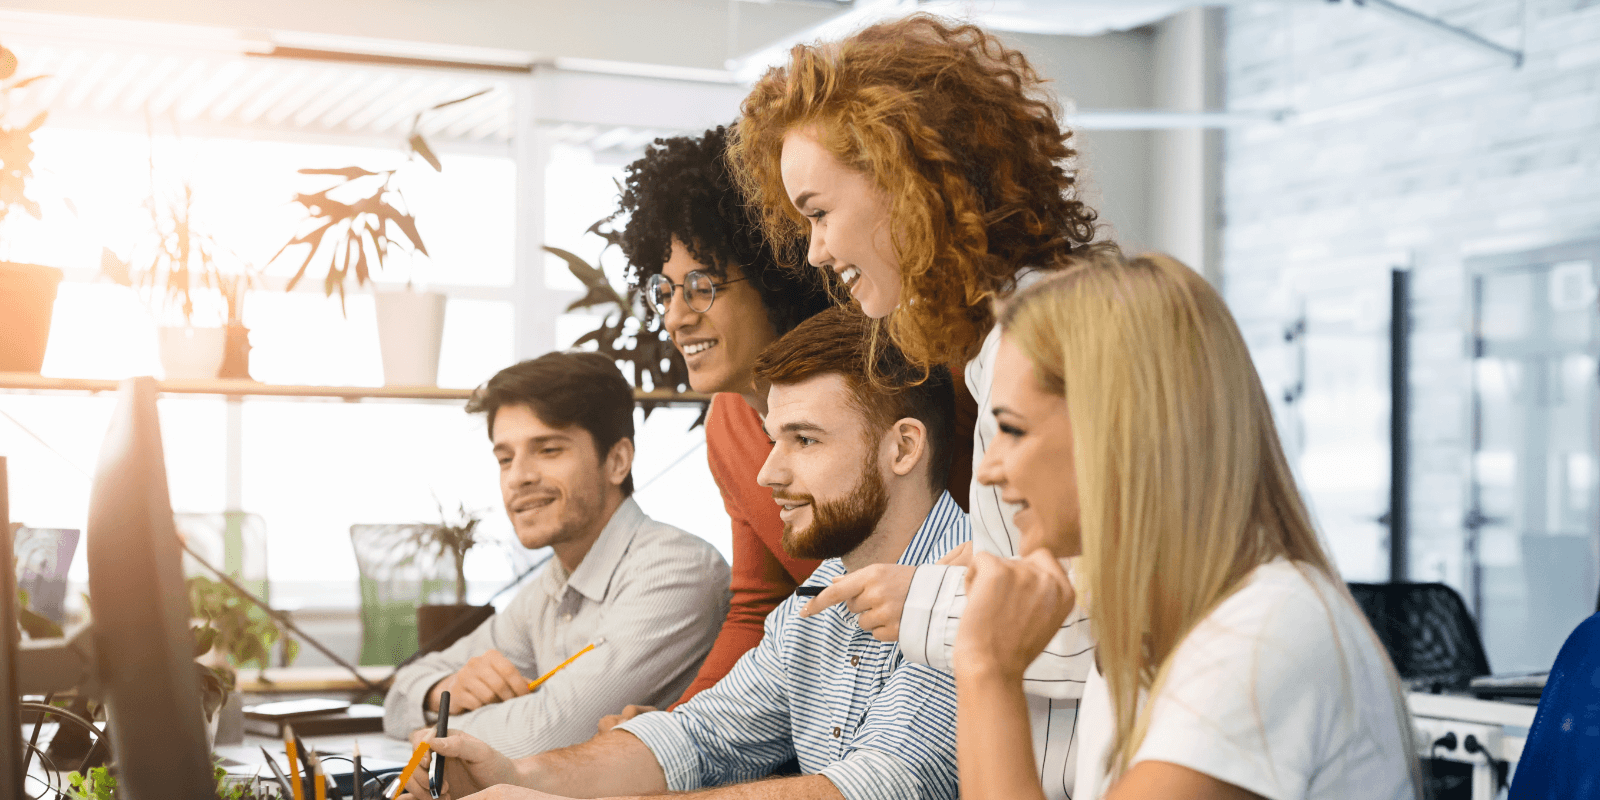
x: 953, y: 126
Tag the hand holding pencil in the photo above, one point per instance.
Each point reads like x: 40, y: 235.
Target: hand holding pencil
x: 469, y: 766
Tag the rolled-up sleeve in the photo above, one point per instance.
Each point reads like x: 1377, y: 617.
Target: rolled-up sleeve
x: 737, y: 730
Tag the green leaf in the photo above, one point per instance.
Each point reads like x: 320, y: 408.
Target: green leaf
x: 348, y: 173
x: 594, y: 279
x: 448, y: 103
x: 30, y: 81
x: 420, y: 146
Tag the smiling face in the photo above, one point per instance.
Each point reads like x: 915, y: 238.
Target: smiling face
x: 1030, y: 462
x: 557, y: 489
x: 826, y: 470
x: 849, y: 220
x: 719, y: 345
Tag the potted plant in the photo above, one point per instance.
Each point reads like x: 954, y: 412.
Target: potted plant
x: 231, y: 632
x: 179, y: 265
x: 639, y: 344
x: 29, y: 290
x: 448, y: 540
x: 353, y: 228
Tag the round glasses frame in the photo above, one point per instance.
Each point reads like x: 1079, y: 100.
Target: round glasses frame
x: 696, y: 285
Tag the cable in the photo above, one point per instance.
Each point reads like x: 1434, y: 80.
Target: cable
x: 1501, y: 768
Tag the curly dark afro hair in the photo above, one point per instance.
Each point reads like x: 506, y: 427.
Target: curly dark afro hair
x: 682, y: 189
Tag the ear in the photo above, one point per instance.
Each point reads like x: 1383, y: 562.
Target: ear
x: 908, y: 443
x: 619, y: 462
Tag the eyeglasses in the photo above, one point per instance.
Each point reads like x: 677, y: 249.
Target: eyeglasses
x: 698, y: 289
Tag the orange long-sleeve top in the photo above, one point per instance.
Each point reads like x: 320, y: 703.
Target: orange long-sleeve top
x: 763, y: 574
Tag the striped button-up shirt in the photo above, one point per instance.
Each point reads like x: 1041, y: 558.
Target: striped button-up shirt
x: 822, y: 690
x: 655, y: 594
x: 1054, y: 682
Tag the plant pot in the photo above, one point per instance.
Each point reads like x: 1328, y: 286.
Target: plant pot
x: 27, y: 299
x: 410, y: 332
x: 236, y: 352
x: 434, y: 620
x: 190, y: 353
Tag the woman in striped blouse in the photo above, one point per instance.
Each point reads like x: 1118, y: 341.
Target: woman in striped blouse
x: 933, y: 176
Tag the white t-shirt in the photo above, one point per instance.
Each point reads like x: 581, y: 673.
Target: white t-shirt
x: 1263, y: 695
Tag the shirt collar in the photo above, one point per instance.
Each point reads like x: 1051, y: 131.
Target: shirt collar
x: 945, y: 527
x: 592, y: 578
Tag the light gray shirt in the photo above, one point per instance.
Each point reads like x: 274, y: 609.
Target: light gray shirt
x: 655, y: 594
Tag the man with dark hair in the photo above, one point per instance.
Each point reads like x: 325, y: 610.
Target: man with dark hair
x: 855, y: 469
x: 650, y: 596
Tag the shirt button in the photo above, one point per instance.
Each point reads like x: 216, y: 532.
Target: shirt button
x: 855, y: 661
x: 836, y: 732
x: 566, y: 617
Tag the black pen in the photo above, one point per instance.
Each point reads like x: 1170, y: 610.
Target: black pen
x: 436, y: 780
x: 809, y: 591
x: 283, y: 782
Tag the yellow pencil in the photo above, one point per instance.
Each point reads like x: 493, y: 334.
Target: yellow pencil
x: 319, y: 781
x: 534, y: 684
x: 294, y: 763
x: 411, y: 766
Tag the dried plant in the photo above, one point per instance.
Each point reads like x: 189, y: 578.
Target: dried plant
x: 625, y: 335
x: 353, y: 236
x: 16, y: 143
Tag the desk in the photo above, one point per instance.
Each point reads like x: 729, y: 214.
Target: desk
x: 1501, y: 727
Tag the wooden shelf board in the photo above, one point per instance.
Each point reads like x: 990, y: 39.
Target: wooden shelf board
x: 233, y: 387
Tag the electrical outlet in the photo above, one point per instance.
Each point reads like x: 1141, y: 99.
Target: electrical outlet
x: 1431, y: 731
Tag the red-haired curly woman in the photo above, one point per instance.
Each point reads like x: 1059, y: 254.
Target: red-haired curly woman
x: 932, y: 174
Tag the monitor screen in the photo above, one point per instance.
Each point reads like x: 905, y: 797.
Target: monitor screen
x: 139, y: 610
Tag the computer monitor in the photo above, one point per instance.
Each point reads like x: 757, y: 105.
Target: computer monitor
x: 136, y: 654
x: 11, y: 774
x: 139, y: 609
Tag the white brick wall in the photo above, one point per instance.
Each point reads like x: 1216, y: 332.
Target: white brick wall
x: 1406, y: 146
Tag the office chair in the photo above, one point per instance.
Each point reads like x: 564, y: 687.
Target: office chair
x: 1561, y: 759
x: 42, y: 557
x: 396, y: 578
x: 1426, y: 629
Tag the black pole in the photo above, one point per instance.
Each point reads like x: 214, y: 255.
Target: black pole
x: 1399, y: 424
x: 11, y: 769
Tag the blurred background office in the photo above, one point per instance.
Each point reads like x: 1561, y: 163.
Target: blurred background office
x: 1400, y: 200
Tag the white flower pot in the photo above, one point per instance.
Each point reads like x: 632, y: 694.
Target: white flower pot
x: 410, y: 331
x: 189, y: 353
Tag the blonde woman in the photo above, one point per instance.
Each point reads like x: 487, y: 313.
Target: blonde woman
x: 927, y: 168
x: 1232, y: 662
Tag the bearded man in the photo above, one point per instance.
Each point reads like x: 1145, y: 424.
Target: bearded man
x: 858, y: 469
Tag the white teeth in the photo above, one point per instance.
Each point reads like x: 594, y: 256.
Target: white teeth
x: 698, y: 347
x: 849, y: 276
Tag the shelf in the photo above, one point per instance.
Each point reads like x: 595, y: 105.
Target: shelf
x: 233, y: 387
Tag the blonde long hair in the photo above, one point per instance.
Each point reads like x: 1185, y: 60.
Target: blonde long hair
x: 1182, y: 483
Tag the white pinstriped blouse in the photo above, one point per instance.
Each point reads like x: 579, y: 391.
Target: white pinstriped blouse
x: 824, y: 691
x: 1054, y: 682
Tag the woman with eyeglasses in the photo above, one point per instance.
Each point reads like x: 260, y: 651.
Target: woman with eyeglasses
x: 932, y: 176
x: 718, y: 288
x: 1232, y: 662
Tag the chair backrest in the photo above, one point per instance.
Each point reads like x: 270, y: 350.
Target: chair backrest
x: 1561, y: 759
x: 42, y: 557
x: 232, y: 541
x: 396, y: 577
x: 1427, y: 630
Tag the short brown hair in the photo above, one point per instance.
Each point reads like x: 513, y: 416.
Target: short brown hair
x: 956, y: 128
x: 563, y: 389
x: 836, y: 342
